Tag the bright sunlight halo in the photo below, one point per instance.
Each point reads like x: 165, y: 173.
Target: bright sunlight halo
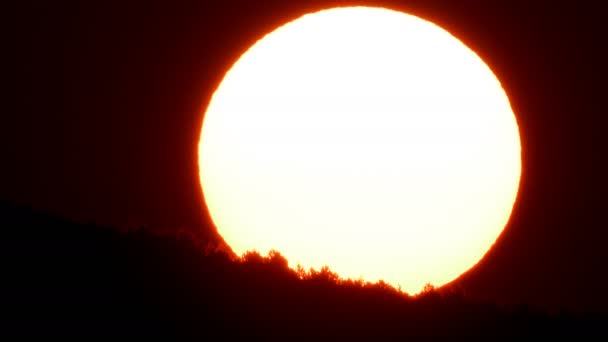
x: 364, y: 139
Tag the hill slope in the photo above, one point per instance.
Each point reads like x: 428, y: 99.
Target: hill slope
x: 60, y: 278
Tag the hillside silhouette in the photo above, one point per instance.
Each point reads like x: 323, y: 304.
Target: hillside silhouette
x: 61, y: 278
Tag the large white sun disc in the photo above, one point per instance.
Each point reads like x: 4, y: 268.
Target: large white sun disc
x: 364, y: 139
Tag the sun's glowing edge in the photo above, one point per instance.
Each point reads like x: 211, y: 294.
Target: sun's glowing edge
x: 217, y: 217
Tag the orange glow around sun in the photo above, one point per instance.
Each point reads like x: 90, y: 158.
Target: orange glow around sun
x: 364, y: 139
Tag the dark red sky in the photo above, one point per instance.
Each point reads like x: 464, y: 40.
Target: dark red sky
x: 106, y: 101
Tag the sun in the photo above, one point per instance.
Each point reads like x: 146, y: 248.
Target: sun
x: 364, y: 139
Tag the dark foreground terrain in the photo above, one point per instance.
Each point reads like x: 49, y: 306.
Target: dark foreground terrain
x: 65, y: 279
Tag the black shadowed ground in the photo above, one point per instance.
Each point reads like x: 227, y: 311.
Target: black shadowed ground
x: 61, y: 278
